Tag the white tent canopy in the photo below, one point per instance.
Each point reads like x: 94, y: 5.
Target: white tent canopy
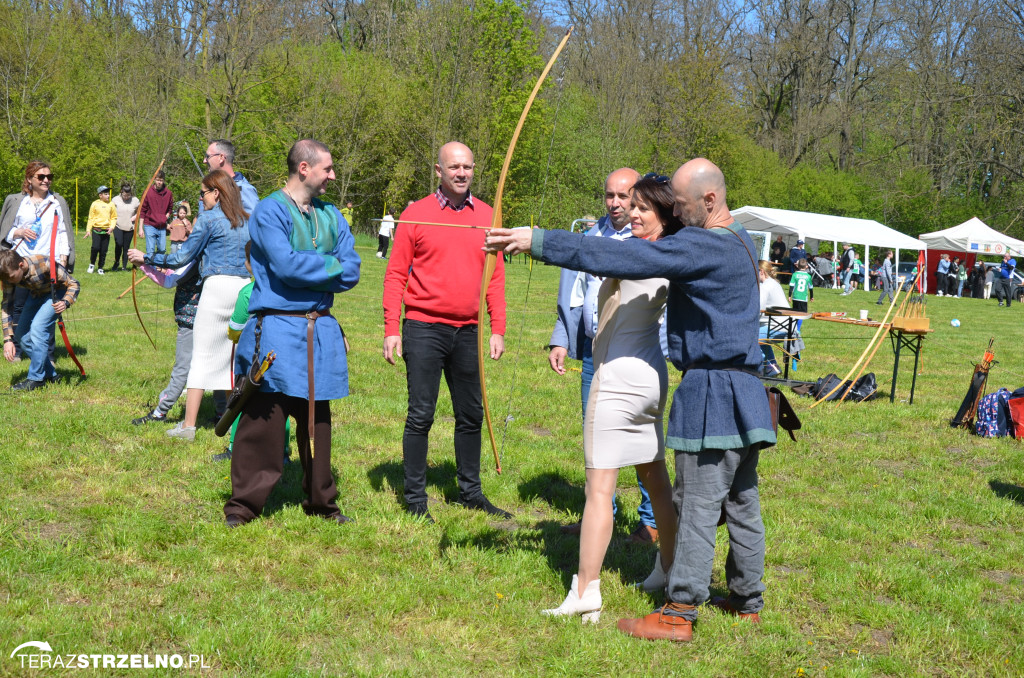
x: 973, y: 236
x: 808, y: 225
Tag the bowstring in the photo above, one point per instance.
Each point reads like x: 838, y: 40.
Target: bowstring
x: 529, y: 278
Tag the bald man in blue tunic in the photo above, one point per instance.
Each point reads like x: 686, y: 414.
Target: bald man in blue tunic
x: 720, y: 419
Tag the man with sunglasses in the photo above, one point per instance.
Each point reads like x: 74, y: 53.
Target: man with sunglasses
x: 26, y: 221
x: 576, y: 323
x: 156, y: 212
x: 220, y: 154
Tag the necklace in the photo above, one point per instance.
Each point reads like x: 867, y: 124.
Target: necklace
x: 316, y: 221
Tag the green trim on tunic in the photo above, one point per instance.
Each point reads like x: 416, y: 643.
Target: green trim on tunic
x: 322, y: 219
x: 537, y: 243
x: 762, y: 436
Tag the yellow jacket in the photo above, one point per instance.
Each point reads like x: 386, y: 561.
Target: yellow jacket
x: 102, y: 217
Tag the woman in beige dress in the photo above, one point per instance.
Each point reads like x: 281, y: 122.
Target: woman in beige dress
x: 623, y: 422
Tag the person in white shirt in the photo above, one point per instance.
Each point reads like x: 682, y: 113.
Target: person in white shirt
x: 387, y: 228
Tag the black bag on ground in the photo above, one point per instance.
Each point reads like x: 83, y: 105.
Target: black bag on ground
x: 866, y: 388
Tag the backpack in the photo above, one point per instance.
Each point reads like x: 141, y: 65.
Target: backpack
x: 993, y: 419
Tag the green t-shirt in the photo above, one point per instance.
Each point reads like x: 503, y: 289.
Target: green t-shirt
x: 241, y: 314
x: 800, y: 284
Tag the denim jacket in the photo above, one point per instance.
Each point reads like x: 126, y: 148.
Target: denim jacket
x: 219, y: 248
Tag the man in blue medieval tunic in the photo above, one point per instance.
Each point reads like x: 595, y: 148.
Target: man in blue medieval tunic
x: 720, y: 419
x: 302, y: 254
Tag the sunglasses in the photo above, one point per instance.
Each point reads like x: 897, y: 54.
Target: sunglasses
x: 44, y: 177
x: 204, y: 192
x: 658, y: 178
x: 210, y: 155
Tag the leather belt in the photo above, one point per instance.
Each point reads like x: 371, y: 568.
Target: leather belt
x: 311, y: 317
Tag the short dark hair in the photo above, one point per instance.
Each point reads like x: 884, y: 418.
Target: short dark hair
x: 9, y: 263
x: 304, y: 151
x: 160, y: 175
x: 227, y: 148
x: 656, y: 192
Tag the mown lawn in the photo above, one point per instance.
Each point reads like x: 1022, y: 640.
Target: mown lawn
x: 894, y: 542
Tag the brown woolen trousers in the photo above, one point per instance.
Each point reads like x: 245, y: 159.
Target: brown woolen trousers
x: 257, y: 462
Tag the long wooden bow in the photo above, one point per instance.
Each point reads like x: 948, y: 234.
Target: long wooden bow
x: 491, y: 259
x: 135, y: 238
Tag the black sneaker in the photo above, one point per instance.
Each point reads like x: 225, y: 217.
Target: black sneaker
x: 419, y: 510
x: 28, y: 385
x: 480, y: 503
x: 55, y: 379
x: 223, y: 456
x: 148, y: 418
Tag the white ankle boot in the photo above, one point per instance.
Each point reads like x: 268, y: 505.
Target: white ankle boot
x: 658, y: 579
x: 588, y: 607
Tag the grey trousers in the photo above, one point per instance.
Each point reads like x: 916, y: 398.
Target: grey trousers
x: 179, y: 377
x: 179, y: 373
x: 886, y: 289
x: 705, y: 482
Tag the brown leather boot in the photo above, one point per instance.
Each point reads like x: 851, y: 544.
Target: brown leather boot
x: 660, y: 626
x: 723, y: 605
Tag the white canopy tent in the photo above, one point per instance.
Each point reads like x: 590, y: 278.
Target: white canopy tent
x: 811, y: 226
x: 973, y: 236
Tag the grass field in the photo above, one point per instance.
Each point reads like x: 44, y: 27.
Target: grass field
x: 894, y: 543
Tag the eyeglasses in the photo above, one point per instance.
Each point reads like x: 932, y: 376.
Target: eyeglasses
x: 204, y: 192
x: 44, y: 177
x: 210, y: 155
x: 658, y: 178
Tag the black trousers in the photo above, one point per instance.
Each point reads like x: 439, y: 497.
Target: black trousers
x: 122, y: 242
x: 382, y: 245
x: 100, y: 245
x: 257, y: 463
x: 430, y: 350
x: 1003, y: 289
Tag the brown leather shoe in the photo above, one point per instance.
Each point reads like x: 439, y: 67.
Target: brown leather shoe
x: 723, y: 605
x: 573, y: 528
x: 643, y: 534
x: 659, y: 626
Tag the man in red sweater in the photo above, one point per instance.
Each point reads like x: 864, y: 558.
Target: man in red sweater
x: 156, y: 212
x: 436, y: 272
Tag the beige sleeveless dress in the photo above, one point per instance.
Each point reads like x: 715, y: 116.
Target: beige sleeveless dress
x: 623, y: 423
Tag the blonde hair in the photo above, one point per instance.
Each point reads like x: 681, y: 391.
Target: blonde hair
x: 767, y: 268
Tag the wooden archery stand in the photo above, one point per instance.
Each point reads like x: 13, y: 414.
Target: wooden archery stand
x: 912, y: 317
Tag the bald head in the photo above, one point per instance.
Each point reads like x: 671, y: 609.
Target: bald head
x: 455, y: 170
x: 616, y: 195
x: 699, y: 190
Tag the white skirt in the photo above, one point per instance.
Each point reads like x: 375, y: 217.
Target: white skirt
x: 211, y: 368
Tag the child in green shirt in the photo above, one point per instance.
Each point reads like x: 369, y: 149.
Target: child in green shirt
x: 801, y: 287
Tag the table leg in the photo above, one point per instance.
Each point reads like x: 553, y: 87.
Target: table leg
x: 917, y: 355
x: 896, y: 365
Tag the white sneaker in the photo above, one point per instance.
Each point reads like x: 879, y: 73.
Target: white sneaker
x: 588, y: 607
x: 100, y: 271
x: 183, y: 432
x: 91, y: 268
x: 379, y: 255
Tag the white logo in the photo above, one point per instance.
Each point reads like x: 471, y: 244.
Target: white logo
x: 41, y: 656
x: 44, y: 646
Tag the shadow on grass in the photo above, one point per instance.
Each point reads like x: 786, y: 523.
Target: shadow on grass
x: 1008, y: 491
x: 556, y: 490
x: 441, y: 476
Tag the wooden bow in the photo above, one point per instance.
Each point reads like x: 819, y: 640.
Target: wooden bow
x: 491, y: 258
x: 135, y: 238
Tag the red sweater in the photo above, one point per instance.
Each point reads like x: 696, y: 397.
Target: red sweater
x: 156, y: 206
x: 437, y: 270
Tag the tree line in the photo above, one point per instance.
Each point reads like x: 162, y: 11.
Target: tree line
x: 910, y: 113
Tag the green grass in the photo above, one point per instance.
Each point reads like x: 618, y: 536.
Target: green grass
x: 894, y: 542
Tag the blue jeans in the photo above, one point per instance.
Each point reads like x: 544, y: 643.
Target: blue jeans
x: 847, y: 274
x: 34, y: 334
x: 645, y: 510
x: 766, y: 349
x: 156, y: 240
